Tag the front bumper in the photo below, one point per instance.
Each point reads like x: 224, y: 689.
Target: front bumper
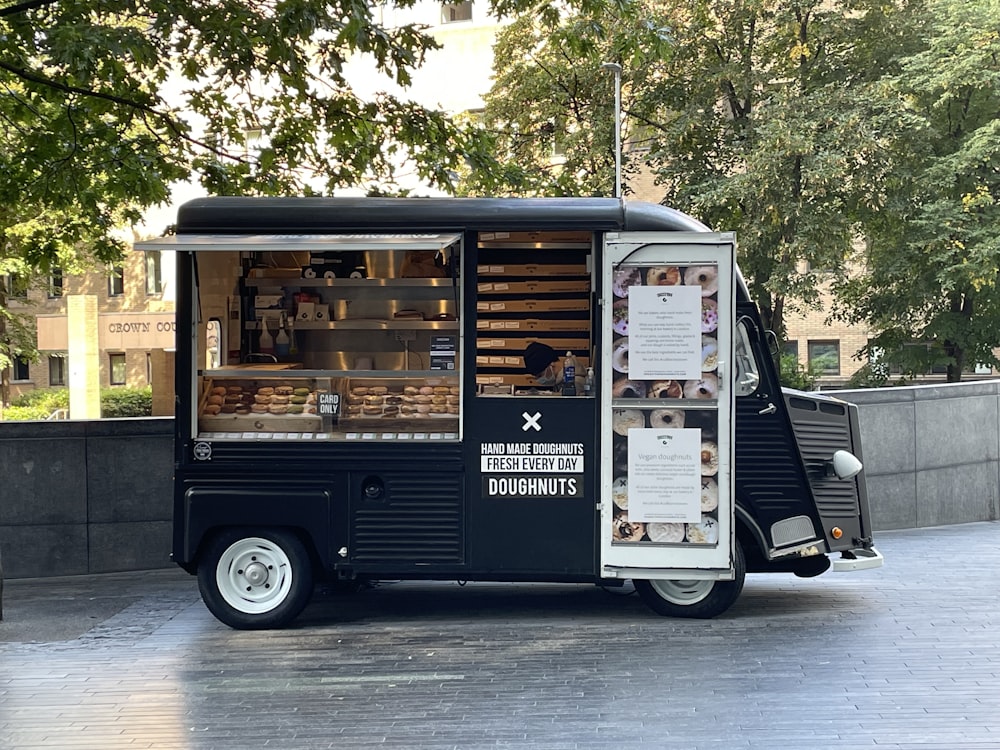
x: 858, y: 559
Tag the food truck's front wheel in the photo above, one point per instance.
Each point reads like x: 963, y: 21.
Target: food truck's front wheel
x: 255, y: 578
x: 694, y: 598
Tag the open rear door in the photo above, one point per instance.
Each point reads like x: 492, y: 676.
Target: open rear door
x: 667, y: 406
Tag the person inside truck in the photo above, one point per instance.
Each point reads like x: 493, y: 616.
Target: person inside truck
x: 542, y: 362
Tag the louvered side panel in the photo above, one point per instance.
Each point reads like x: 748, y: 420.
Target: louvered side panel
x: 819, y: 436
x: 419, y: 522
x: 767, y: 466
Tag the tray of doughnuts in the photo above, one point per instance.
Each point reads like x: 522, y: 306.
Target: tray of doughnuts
x: 248, y: 405
x: 381, y: 400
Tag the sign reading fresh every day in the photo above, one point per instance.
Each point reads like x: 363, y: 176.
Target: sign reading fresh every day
x: 532, y: 469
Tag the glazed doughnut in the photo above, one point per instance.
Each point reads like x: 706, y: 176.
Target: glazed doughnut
x: 216, y: 400
x: 284, y: 390
x: 262, y: 399
x: 374, y: 400
x: 665, y: 532
x: 709, y: 354
x: 220, y: 391
x: 259, y: 408
x: 234, y: 398
x: 672, y: 418
x: 280, y: 399
x: 390, y: 411
x: 625, y: 388
x: 439, y: 409
x: 709, y: 315
x: 378, y: 390
x: 706, y: 532
x: 623, y: 530
x: 360, y: 390
x: 278, y: 408
x: 426, y: 390
x: 408, y: 409
x: 619, y: 492
x: 666, y: 389
x: 454, y: 390
x: 423, y: 408
x: 439, y: 400
x: 619, y: 358
x: 451, y: 409
x: 234, y: 390
x: 354, y: 409
x: 451, y: 400
x: 709, y: 458
x: 371, y: 410
x: 619, y: 317
x: 625, y: 278
x: 709, y: 495
x: 297, y: 399
x: 622, y: 420
x: 266, y: 391
x: 300, y: 391
x: 422, y: 398
x: 411, y: 390
x: 213, y: 409
x: 663, y: 276
x: 295, y: 408
x: 242, y: 408
x: 229, y: 408
x: 441, y: 390
x: 393, y: 400
x: 707, y: 387
x: 707, y: 277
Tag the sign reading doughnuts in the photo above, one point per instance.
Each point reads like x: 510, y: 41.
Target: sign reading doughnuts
x: 530, y: 470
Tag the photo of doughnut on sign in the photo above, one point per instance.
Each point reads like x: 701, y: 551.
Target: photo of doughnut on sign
x: 626, y: 385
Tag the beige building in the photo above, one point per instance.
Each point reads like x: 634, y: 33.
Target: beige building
x: 112, y: 323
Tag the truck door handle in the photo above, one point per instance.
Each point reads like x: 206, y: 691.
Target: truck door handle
x: 769, y: 409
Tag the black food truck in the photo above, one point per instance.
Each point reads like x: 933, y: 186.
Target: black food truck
x: 354, y: 404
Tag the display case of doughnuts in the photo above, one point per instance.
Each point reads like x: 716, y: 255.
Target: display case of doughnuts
x: 258, y: 402
x: 294, y: 404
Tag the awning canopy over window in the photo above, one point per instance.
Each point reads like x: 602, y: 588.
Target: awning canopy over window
x: 294, y: 242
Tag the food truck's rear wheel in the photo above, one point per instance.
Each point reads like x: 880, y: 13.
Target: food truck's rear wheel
x: 255, y: 578
x: 694, y: 598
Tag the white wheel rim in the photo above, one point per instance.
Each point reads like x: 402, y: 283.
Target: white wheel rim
x: 683, y: 593
x: 254, y: 575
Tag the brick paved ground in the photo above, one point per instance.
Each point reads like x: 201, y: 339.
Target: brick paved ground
x: 903, y: 657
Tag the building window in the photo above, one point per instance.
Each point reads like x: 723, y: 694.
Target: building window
x: 57, y: 369
x: 452, y: 12
x: 116, y: 281
x: 790, y: 349
x: 16, y: 286
x: 824, y: 357
x: 154, y: 276
x: 21, y: 370
x: 117, y: 362
x: 56, y: 283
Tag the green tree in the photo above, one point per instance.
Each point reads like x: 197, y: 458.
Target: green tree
x: 930, y: 292
x: 551, y: 107
x: 105, y: 104
x: 771, y: 121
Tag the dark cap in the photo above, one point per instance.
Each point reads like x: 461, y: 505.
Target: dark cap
x: 538, y: 356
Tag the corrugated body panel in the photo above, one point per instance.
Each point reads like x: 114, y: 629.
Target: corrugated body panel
x: 766, y: 464
x: 820, y: 433
x: 419, y: 521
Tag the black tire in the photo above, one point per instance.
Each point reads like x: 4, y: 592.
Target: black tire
x: 693, y: 598
x: 252, y: 579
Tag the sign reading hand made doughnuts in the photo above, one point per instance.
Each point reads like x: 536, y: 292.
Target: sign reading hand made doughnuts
x: 665, y: 332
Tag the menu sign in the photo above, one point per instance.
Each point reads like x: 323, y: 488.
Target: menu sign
x: 664, y: 475
x: 665, y: 337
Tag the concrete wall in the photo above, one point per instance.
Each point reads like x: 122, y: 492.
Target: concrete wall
x: 85, y: 496
x: 931, y: 452
x: 94, y: 497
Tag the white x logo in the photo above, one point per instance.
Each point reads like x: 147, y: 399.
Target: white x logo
x: 531, y: 420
